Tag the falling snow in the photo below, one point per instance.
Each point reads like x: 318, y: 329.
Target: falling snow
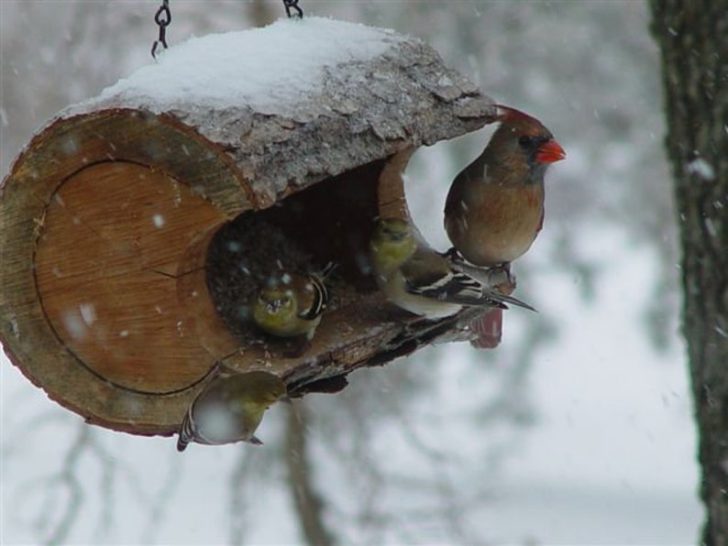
x: 701, y: 168
x: 710, y: 227
x: 75, y: 325
x: 88, y: 313
x: 218, y: 423
x: 14, y: 327
x: 69, y: 145
x: 234, y: 246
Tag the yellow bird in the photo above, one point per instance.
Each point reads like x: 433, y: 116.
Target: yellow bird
x: 230, y: 408
x: 416, y: 278
x: 290, y: 304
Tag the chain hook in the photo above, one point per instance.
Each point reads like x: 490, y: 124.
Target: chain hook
x: 163, y: 18
x: 293, y: 4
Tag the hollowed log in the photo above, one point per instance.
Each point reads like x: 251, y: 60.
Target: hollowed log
x: 125, y: 225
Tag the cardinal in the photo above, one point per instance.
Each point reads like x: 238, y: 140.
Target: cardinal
x: 495, y: 206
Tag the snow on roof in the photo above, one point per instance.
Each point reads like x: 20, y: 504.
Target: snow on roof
x: 266, y: 68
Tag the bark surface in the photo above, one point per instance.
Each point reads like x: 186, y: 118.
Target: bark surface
x: 693, y: 37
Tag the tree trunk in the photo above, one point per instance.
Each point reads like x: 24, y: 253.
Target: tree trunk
x: 693, y: 37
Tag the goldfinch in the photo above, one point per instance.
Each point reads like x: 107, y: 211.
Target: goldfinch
x: 290, y: 304
x: 229, y: 409
x: 416, y: 278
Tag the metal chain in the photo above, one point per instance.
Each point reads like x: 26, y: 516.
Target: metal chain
x: 163, y: 18
x: 293, y: 4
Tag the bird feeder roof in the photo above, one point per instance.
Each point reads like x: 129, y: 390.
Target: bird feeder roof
x: 304, y: 99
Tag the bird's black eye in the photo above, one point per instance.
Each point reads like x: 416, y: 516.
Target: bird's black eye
x: 526, y: 141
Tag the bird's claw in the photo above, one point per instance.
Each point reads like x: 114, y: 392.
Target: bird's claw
x: 501, y: 278
x: 453, y: 254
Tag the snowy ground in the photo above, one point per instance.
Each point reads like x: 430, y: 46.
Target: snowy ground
x: 609, y: 459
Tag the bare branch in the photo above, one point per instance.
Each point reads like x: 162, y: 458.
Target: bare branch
x: 307, y: 501
x: 159, y: 505
x: 238, y: 481
x: 67, y: 479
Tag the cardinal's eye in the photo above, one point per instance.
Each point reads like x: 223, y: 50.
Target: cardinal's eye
x: 526, y: 141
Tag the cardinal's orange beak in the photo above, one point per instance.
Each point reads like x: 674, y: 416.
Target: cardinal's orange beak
x: 550, y: 152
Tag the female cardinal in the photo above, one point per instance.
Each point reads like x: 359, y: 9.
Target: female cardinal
x: 494, y: 209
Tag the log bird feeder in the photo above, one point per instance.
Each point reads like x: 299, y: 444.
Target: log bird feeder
x: 134, y: 226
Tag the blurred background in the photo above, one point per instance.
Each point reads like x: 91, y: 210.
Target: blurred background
x: 576, y: 430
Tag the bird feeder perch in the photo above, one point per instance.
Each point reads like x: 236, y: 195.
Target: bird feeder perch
x: 128, y: 221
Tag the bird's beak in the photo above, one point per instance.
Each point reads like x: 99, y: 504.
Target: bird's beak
x: 550, y: 152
